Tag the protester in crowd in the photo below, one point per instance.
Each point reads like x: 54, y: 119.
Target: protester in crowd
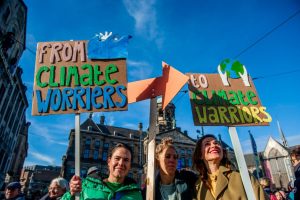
x: 295, y: 155
x: 280, y: 195
x: 57, y: 188
x: 116, y: 186
x: 13, y: 191
x: 217, y: 180
x: 265, y: 183
x: 94, y: 172
x: 171, y: 184
x: 291, y: 191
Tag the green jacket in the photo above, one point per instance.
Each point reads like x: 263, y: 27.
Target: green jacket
x: 229, y: 187
x: 96, y: 189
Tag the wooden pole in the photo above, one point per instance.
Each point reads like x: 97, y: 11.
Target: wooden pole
x: 150, y: 194
x: 77, y: 149
x: 241, y: 163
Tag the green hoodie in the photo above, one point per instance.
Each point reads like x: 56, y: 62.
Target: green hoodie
x: 96, y: 189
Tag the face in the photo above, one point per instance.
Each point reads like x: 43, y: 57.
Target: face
x: 11, y: 193
x: 278, y: 196
x: 55, y: 190
x: 120, y: 162
x: 168, y: 160
x: 211, y: 150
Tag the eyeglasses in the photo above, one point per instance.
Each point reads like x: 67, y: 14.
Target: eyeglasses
x: 168, y: 156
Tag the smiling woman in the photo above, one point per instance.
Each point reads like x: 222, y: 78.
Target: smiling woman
x: 116, y: 186
x: 217, y: 180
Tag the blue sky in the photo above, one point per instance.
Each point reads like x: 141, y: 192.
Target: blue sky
x: 192, y: 36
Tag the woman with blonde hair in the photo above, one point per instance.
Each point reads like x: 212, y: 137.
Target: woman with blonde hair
x: 171, y: 184
x: 217, y: 180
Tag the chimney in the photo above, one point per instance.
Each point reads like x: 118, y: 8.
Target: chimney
x: 185, y: 132
x: 140, y: 126
x: 102, y: 119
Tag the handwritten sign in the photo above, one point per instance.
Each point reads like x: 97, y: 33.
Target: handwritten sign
x: 67, y: 81
x: 232, y: 104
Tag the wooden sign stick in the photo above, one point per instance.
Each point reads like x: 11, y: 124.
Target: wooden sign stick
x: 241, y: 163
x: 77, y: 149
x: 150, y: 194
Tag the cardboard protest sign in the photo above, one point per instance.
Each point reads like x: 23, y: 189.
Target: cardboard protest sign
x: 217, y: 100
x: 67, y: 81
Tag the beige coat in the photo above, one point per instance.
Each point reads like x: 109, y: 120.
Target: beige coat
x: 229, y: 187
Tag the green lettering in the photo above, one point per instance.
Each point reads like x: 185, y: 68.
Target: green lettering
x: 38, y: 76
x: 250, y: 95
x: 241, y: 97
x: 110, y: 69
x: 52, y: 82
x: 62, y: 77
x: 234, y: 99
x: 87, y: 79
x: 97, y: 74
x: 72, y: 72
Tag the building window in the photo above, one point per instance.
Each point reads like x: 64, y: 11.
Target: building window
x: 97, y: 144
x: 104, y: 156
x: 88, y: 142
x: 86, y: 153
x: 182, y: 152
x: 72, y: 171
x: 182, y: 161
x: 189, y: 162
x: 189, y: 151
x: 96, y: 154
x: 83, y: 172
x: 105, y: 146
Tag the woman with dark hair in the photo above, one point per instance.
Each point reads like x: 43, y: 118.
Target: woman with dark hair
x: 116, y: 186
x: 217, y: 179
x: 171, y: 184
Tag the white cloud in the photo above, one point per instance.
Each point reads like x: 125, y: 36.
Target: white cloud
x: 139, y: 70
x: 30, y: 40
x: 293, y: 139
x: 42, y: 157
x: 144, y: 14
x: 50, y: 131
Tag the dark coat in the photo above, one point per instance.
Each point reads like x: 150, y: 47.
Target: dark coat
x: 19, y: 197
x: 184, y: 182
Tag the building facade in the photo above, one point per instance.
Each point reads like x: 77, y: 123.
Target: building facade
x: 13, y: 101
x: 96, y: 141
x: 36, y: 179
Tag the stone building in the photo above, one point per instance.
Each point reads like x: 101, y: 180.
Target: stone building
x: 36, y: 179
x: 13, y: 102
x: 96, y: 141
x: 165, y: 126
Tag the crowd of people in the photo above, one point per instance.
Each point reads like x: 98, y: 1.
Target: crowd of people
x: 214, y: 178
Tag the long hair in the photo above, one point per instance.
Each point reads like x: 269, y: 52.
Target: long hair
x: 198, y: 163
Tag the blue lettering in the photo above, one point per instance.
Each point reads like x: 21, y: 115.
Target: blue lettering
x: 123, y: 97
x: 43, y: 106
x: 78, y: 93
x: 108, y: 92
x: 55, y: 100
x: 66, y: 94
x: 97, y: 92
x: 88, y: 98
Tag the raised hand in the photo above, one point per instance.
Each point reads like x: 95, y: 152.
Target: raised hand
x: 223, y: 76
x: 104, y: 36
x: 245, y: 77
x: 75, y: 185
